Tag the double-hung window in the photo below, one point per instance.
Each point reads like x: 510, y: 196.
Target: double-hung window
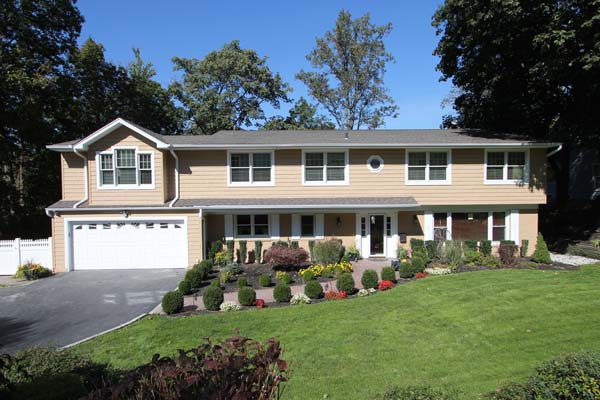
x: 326, y: 167
x: 125, y: 168
x: 252, y: 225
x: 498, y: 226
x: 250, y: 168
x: 440, y: 226
x: 427, y: 167
x: 505, y: 166
x: 307, y: 225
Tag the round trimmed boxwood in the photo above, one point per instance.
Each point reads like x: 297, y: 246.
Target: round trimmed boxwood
x: 246, y: 296
x: 194, y: 277
x: 369, y: 279
x: 406, y: 271
x: 308, y: 276
x: 345, y: 282
x: 286, y: 278
x: 388, y: 274
x: 212, y: 297
x: 314, y: 290
x: 282, y: 293
x: 265, y: 280
x: 172, y: 302
x: 185, y: 287
x: 204, y: 267
x: 242, y: 282
x: 418, y: 264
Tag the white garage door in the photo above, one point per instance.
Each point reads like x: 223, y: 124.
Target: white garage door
x: 130, y: 244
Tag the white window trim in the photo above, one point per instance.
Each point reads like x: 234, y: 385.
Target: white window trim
x: 426, y: 181
x: 251, y: 161
x: 375, y: 157
x: 115, y: 186
x: 508, y: 225
x: 252, y: 234
x: 325, y: 182
x: 505, y: 180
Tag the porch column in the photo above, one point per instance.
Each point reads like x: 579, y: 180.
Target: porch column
x: 357, y: 235
x: 275, y: 227
x: 393, y: 246
x: 228, y: 218
x: 428, y: 234
x: 514, y: 227
x: 296, y: 231
x: 319, y: 226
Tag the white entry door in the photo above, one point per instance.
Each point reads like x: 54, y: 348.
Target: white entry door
x: 129, y: 244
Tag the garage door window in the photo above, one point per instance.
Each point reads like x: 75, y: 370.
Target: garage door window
x: 125, y: 169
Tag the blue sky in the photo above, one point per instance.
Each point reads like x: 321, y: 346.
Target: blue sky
x: 284, y: 31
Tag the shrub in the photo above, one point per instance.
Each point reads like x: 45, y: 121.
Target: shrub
x: 265, y: 280
x: 524, y: 247
x: 294, y: 244
x: 232, y: 268
x: 417, y: 244
x: 507, y: 242
x: 385, y: 285
x: 236, y: 368
x: 227, y: 306
x: 243, y: 252
x: 300, y: 298
x: 470, y: 245
x: 388, y: 274
x: 215, y: 283
x: 42, y: 373
x: 230, y: 248
x: 172, y: 302
x: 570, y: 377
x: 238, y: 256
x: 507, y: 253
x: 194, y: 277
x: 281, y: 243
x: 416, y: 393
x: 215, y: 247
x: 32, y: 271
x: 282, y: 293
x: 212, y: 297
x: 242, y: 282
x: 311, y: 249
x: 541, y: 254
x: 401, y: 253
x: 246, y: 296
x: 204, y: 268
x: 352, y: 253
x: 345, y: 282
x: 452, y: 254
x: 418, y: 263
x: 225, y: 276
x: 486, y: 247
x: 284, y: 277
x: 185, y: 287
x: 406, y: 270
x: 222, y: 258
x: 286, y: 257
x: 314, y: 290
x: 328, y: 251
x: 307, y: 275
x: 258, y: 251
x: 431, y: 249
x: 331, y: 295
x: 368, y: 279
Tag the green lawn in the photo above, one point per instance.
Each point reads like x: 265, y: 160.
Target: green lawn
x: 468, y: 331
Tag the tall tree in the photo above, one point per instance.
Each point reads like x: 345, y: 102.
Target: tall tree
x: 36, y: 38
x: 226, y: 89
x: 303, y: 116
x: 351, y: 62
x: 527, y: 66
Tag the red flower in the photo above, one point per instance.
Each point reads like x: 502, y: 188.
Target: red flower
x: 341, y: 294
x: 385, y: 285
x: 331, y: 295
x: 420, y: 275
x: 260, y: 303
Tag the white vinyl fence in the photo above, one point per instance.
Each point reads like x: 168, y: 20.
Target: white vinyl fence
x: 19, y: 251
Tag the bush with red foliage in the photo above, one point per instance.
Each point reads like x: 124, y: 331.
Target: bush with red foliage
x: 260, y: 303
x: 385, y: 285
x: 420, y: 275
x: 239, y: 368
x: 281, y: 256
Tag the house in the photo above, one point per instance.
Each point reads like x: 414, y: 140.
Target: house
x: 132, y: 198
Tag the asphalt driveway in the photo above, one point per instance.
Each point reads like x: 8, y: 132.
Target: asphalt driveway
x: 69, y: 307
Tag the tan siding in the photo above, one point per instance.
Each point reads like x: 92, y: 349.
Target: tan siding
x: 528, y: 228
x: 123, y: 137
x: 73, y: 187
x: 194, y: 227
x: 204, y: 175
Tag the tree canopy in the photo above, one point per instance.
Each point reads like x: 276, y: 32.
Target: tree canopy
x: 350, y: 62
x: 527, y: 66
x: 226, y: 89
x: 303, y: 116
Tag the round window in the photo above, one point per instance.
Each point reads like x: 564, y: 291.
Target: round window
x: 375, y: 163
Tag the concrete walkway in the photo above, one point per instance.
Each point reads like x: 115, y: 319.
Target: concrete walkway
x: 267, y: 293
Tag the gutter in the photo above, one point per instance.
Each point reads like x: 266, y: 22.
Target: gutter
x: 176, y: 176
x: 363, y: 146
x: 553, y: 152
x: 85, y: 176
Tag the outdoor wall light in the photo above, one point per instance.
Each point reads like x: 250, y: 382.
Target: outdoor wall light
x: 125, y: 214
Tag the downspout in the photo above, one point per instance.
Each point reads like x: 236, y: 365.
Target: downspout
x: 553, y: 152
x: 176, y: 176
x: 85, y: 173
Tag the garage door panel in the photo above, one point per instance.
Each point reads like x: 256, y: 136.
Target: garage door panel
x: 130, y: 244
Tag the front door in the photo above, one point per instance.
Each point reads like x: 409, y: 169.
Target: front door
x: 377, y: 222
